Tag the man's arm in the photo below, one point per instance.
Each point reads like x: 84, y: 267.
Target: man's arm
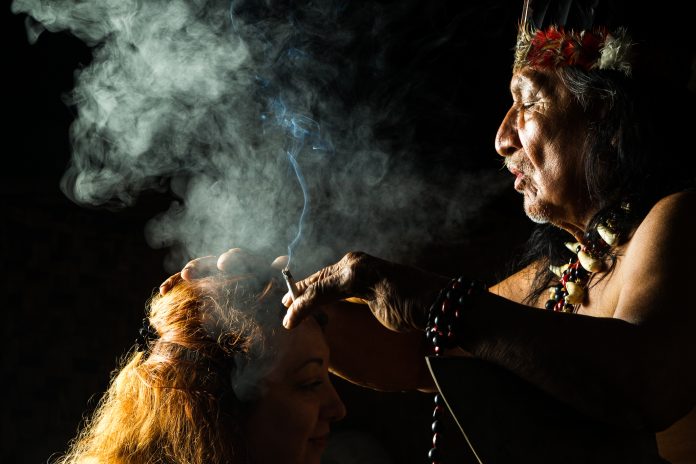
x: 366, y: 353
x: 634, y: 368
x: 517, y: 286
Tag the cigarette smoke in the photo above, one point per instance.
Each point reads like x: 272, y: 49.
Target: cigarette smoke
x: 206, y: 99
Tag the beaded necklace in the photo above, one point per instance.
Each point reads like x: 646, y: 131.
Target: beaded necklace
x: 568, y: 294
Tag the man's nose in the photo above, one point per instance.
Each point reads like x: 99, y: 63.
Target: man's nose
x: 333, y: 408
x: 507, y: 140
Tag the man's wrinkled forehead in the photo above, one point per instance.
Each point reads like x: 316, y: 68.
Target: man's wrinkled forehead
x: 530, y: 80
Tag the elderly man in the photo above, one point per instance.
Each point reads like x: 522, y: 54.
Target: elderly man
x: 599, y: 318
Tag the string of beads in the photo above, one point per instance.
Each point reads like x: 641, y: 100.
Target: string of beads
x: 444, y: 320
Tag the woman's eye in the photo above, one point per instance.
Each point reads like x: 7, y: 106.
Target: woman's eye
x: 312, y: 385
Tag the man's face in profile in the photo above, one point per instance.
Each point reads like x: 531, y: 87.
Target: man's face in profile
x: 542, y: 138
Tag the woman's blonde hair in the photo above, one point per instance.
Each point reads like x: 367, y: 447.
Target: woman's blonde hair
x: 175, y: 401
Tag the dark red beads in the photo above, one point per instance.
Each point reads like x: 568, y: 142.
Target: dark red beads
x: 437, y: 438
x: 441, y: 332
x: 436, y: 427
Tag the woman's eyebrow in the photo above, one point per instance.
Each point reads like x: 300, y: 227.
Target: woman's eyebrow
x: 318, y: 361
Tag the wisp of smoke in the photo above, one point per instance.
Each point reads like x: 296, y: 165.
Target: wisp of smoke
x: 227, y: 105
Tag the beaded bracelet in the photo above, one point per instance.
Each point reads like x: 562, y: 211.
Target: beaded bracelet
x: 442, y: 329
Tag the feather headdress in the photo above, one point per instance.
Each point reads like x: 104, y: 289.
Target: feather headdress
x: 571, y: 33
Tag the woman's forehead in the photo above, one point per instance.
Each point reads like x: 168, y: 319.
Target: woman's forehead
x: 304, y: 342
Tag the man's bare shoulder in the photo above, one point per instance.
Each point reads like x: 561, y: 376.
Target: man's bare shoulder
x: 672, y: 217
x: 657, y: 263
x: 681, y: 205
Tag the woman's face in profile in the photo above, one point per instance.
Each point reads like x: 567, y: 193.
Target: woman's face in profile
x: 291, y: 422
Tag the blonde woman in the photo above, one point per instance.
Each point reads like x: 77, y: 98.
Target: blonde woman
x: 216, y: 380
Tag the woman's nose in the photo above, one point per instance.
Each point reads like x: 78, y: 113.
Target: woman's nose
x: 333, y: 408
x: 507, y: 140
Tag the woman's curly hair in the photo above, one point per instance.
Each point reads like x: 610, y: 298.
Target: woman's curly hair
x: 183, y: 398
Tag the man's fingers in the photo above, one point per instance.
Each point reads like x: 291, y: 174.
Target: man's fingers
x: 318, y: 276
x: 233, y: 261
x: 302, y: 285
x: 169, y: 283
x: 199, y: 267
x: 287, y: 299
x: 280, y: 263
x: 236, y: 261
x: 328, y: 285
x: 327, y: 290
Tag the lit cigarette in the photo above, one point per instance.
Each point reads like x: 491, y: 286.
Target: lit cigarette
x: 292, y: 288
x: 290, y: 281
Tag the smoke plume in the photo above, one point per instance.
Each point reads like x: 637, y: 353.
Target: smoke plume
x: 212, y: 100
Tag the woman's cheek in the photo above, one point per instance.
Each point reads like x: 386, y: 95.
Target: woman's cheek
x: 272, y: 431
x: 299, y: 416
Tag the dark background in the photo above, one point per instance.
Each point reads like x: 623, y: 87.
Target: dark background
x: 76, y: 279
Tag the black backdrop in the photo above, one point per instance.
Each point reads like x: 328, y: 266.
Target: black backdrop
x: 75, y: 279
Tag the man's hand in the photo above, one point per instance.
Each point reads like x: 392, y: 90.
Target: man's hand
x: 398, y: 296
x: 234, y: 261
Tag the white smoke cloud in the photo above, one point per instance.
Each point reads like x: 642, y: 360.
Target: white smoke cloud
x: 205, y: 98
